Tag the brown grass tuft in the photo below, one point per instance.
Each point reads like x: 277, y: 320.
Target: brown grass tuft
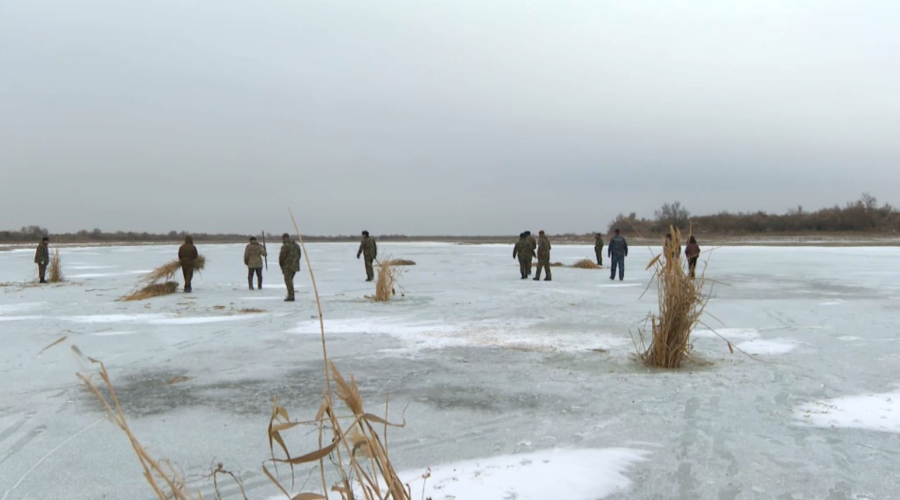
x: 54, y: 273
x: 585, y: 264
x: 682, y: 301
x: 150, y: 291
x: 251, y: 310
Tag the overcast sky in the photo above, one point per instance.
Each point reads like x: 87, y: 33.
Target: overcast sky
x: 439, y: 117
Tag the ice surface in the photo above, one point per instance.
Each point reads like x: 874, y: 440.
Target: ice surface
x: 493, y: 368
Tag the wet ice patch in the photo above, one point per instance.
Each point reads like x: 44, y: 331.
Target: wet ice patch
x: 382, y: 326
x: 89, y: 267
x: 873, y: 412
x: 831, y: 303
x: 761, y: 346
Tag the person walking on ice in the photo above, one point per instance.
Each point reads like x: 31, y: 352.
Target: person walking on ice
x: 522, y: 250
x: 617, y: 251
x: 543, y: 255
x: 598, y: 248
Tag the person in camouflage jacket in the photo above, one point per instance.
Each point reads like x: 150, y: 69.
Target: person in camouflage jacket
x: 598, y: 248
x: 534, y: 245
x: 253, y: 259
x: 289, y: 260
x: 543, y: 255
x: 187, y: 255
x: 523, y: 251
x: 368, y: 249
x: 42, y: 258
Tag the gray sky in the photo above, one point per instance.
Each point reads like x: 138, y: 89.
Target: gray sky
x: 439, y: 117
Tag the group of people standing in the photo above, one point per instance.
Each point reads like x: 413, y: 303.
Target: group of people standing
x: 527, y: 248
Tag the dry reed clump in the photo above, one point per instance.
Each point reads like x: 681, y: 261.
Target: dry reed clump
x: 585, y: 264
x: 150, y: 291
x: 399, y: 262
x: 167, y: 271
x: 54, y: 272
x: 386, y: 282
x: 682, y: 301
x: 552, y: 264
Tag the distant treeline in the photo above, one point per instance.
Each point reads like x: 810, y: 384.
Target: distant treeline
x: 862, y: 215
x: 31, y: 234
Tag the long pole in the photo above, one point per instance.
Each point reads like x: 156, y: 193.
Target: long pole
x: 267, y: 251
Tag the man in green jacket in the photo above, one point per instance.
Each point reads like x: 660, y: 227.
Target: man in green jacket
x: 598, y: 248
x: 253, y: 259
x: 289, y: 260
x: 42, y: 258
x: 369, y: 249
x: 523, y: 251
x: 543, y: 255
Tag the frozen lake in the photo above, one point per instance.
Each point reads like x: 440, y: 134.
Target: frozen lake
x: 516, y: 389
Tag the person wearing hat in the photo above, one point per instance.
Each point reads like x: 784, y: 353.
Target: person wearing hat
x: 543, y: 255
x: 522, y: 250
x: 253, y: 259
x: 42, y: 257
x: 617, y: 251
x: 598, y: 248
x: 289, y: 260
x: 369, y: 249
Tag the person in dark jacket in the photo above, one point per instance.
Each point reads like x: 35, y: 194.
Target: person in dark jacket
x: 534, y: 245
x: 42, y: 258
x: 598, y: 248
x: 617, y: 251
x: 253, y: 259
x: 289, y: 260
x: 692, y: 252
x: 187, y: 255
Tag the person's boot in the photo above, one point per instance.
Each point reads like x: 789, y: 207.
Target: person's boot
x: 547, y: 279
x: 251, y: 284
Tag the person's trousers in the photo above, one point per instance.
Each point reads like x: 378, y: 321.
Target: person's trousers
x: 370, y: 271
x: 42, y: 272
x: 599, y: 257
x: 542, y: 264
x: 289, y: 283
x: 529, y: 266
x: 692, y: 264
x: 258, y: 272
x: 618, y: 262
x: 188, y: 271
x: 525, y: 267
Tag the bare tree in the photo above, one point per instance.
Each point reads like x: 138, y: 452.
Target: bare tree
x: 672, y: 214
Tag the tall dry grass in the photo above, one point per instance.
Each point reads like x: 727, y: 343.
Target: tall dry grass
x: 387, y: 281
x: 682, y: 301
x: 352, y: 443
x: 167, y: 271
x: 54, y: 271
